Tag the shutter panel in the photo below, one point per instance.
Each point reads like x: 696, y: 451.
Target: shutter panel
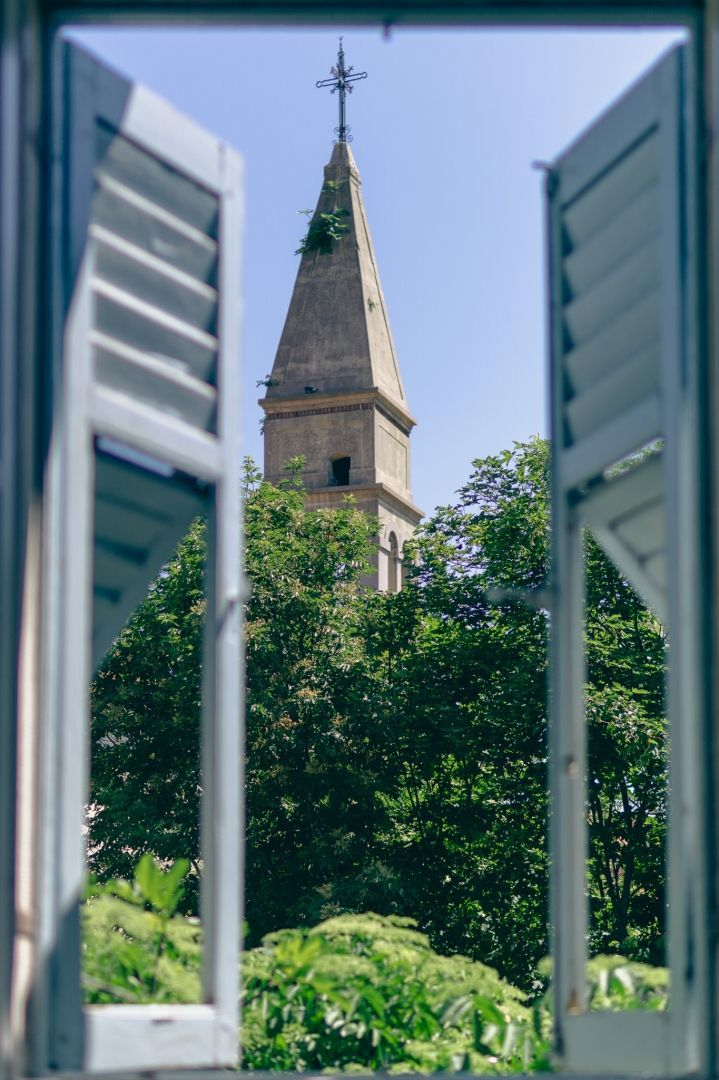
x: 150, y: 255
x: 610, y: 298
x: 625, y: 389
x: 144, y: 437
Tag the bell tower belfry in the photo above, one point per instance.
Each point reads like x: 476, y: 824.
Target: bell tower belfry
x: 335, y: 394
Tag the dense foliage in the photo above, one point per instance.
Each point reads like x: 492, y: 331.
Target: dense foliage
x: 465, y: 693
x: 356, y: 993
x: 396, y: 745
x: 312, y: 730
x: 136, y: 948
x: 367, y: 992
x: 465, y: 685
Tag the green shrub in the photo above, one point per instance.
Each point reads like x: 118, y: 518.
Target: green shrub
x: 323, y: 229
x: 360, y: 993
x: 134, y: 947
x: 357, y: 993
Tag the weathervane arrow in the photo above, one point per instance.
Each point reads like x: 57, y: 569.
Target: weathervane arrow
x: 342, y: 79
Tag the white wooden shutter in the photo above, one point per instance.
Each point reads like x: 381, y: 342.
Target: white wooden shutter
x: 144, y: 437
x: 626, y: 375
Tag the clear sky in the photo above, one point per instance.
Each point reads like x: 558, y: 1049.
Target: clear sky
x: 446, y: 129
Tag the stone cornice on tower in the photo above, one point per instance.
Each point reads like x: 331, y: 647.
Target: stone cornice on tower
x: 317, y: 404
x: 337, y: 336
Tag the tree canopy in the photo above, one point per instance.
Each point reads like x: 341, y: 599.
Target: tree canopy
x: 396, y: 744
x: 312, y: 730
x: 466, y: 689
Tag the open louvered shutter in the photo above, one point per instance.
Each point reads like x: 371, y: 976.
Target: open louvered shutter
x: 625, y: 380
x: 144, y: 437
x: 616, y: 307
x: 145, y: 242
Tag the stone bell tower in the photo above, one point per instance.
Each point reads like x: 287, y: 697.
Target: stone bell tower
x: 336, y: 394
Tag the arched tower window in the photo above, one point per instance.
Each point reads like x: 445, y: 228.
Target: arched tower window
x: 394, y: 583
x: 340, y: 471
x: 403, y: 565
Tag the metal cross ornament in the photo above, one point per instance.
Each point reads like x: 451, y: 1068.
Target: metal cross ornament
x: 342, y: 79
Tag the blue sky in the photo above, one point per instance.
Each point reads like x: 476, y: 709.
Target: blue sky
x: 446, y: 129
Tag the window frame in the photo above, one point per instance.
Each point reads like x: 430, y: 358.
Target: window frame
x: 29, y: 25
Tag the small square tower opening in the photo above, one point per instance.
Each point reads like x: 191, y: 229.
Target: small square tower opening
x: 340, y: 471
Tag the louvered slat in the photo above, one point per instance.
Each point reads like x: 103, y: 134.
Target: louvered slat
x: 612, y: 310
x: 634, y: 329
x: 628, y: 382
x: 632, y: 506
x: 624, y: 492
x: 152, y: 380
x: 160, y: 183
x: 154, y: 280
x: 623, y: 234
x: 155, y: 229
x: 131, y: 321
x: 611, y: 329
x: 153, y: 271
x: 633, y: 172
x: 632, y: 277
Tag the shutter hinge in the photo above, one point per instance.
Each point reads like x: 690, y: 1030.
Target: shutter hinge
x: 551, y: 180
x: 540, y: 599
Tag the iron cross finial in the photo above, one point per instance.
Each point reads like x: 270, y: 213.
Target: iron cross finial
x: 342, y: 79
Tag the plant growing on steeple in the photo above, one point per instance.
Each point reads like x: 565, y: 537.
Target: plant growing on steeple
x: 323, y: 230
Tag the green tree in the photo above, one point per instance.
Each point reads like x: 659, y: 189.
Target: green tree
x: 465, y: 687
x: 396, y: 749
x: 626, y: 657
x: 366, y: 992
x: 465, y: 684
x: 315, y: 737
x: 145, y: 764
x: 312, y: 729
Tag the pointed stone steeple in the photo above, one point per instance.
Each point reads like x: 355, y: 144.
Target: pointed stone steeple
x: 336, y: 394
x: 337, y: 332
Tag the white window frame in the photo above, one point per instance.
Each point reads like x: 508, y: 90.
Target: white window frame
x: 109, y: 1037
x: 25, y: 26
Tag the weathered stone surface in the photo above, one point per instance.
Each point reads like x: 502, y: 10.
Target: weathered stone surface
x: 337, y: 335
x: 336, y: 390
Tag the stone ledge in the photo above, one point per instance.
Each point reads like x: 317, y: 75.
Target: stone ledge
x: 338, y: 401
x: 333, y: 494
